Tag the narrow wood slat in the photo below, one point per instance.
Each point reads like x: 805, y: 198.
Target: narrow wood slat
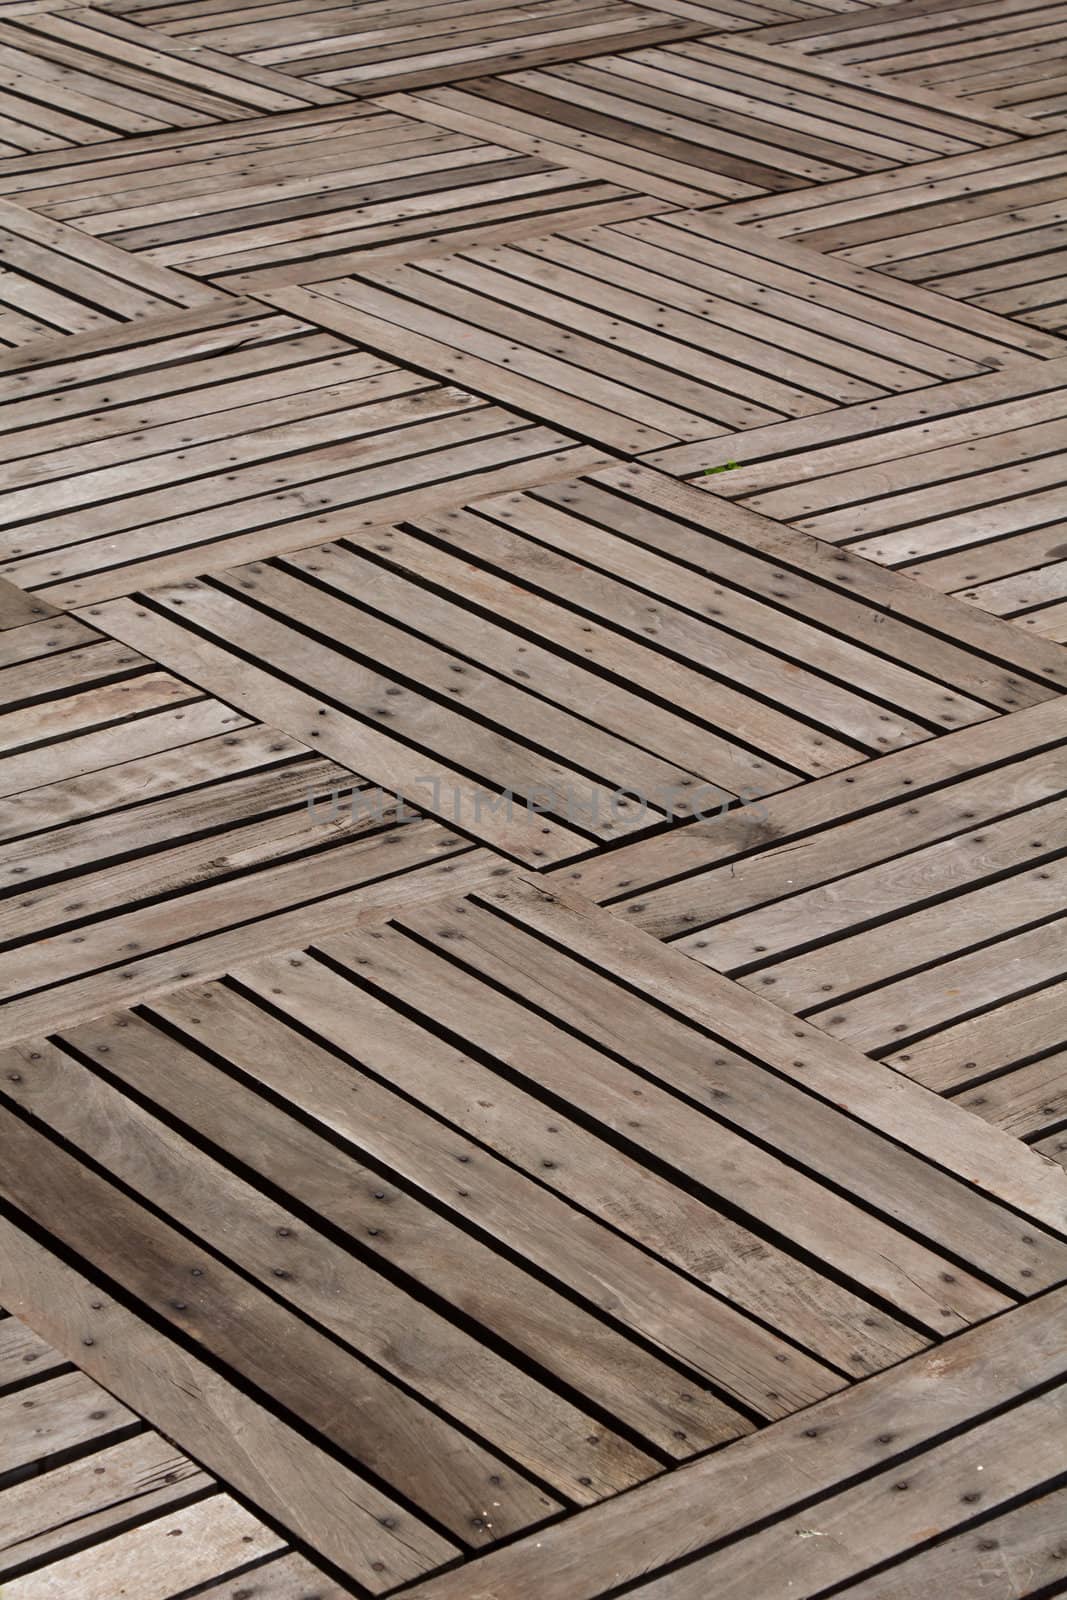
x: 23, y: 1356
x: 355, y: 743
x: 1025, y: 1100
x: 965, y: 50
x: 18, y: 609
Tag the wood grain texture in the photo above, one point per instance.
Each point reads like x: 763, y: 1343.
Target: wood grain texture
x: 533, y: 812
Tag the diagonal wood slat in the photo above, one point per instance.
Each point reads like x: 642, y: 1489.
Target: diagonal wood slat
x: 1009, y: 55
x: 401, y: 46
x: 297, y: 197
x: 711, y: 120
x: 969, y: 500
x: 99, y: 1503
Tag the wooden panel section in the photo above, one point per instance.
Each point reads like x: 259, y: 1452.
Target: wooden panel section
x: 55, y: 279
x: 145, y: 823
x: 886, y: 1437
x: 359, y: 1529
x: 1011, y: 55
x: 103, y: 1506
x: 969, y: 500
x: 81, y: 77
x: 301, y: 196
x: 912, y: 908
x: 497, y: 734
x: 710, y: 120
x: 533, y: 817
x: 662, y: 330
x: 405, y: 43
x: 424, y: 1330
x: 986, y: 229
x: 730, y: 14
x: 239, y: 430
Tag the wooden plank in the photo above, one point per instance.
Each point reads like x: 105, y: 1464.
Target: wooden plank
x: 23, y: 1356
x: 285, y: 1578
x: 973, y: 1048
x: 965, y: 333
x: 799, y: 895
x: 988, y: 973
x: 154, y: 926
x: 210, y: 954
x: 963, y: 50
x: 18, y: 609
x: 1026, y: 1100
x: 155, y: 784
x: 73, y: 759
x: 684, y: 855
x: 1018, y: 1458
x: 840, y: 900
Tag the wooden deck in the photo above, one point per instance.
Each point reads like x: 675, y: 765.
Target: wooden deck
x: 533, y: 799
